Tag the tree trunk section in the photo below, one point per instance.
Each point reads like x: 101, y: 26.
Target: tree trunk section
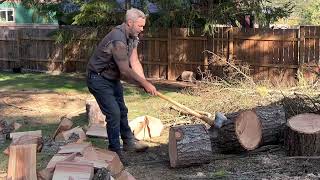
x: 248, y: 129
x: 302, y: 137
x: 189, y: 144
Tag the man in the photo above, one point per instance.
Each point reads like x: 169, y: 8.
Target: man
x: 115, y: 59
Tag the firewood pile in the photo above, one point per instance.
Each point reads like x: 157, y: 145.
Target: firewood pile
x: 76, y: 159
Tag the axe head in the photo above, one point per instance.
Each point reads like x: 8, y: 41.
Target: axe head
x: 219, y: 119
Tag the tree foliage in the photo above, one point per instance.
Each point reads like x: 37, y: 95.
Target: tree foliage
x: 312, y: 13
x: 177, y: 13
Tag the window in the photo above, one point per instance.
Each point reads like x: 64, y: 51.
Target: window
x: 6, y: 15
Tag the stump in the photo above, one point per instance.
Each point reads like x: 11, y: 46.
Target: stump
x: 247, y: 129
x: 189, y: 144
x: 302, y: 137
x: 94, y: 113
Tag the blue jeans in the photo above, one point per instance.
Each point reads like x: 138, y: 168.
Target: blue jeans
x: 109, y: 96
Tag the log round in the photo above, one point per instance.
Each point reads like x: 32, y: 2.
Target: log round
x: 302, y: 137
x: 248, y: 129
x: 188, y: 145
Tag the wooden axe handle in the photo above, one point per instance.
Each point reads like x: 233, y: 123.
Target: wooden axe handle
x: 188, y: 110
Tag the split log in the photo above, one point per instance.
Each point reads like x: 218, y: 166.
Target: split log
x: 19, y: 134
x: 22, y: 162
x: 74, y: 148
x: 246, y: 130
x: 146, y: 127
x: 66, y: 135
x: 94, y: 113
x: 102, y: 158
x: 188, y: 145
x: 64, y: 125
x: 302, y: 137
x: 26, y: 139
x: 97, y: 130
x: 73, y: 170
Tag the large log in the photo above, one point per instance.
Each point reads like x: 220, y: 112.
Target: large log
x: 248, y: 129
x: 302, y: 137
x: 189, y: 144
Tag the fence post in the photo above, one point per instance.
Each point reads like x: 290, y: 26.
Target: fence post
x: 170, y: 70
x: 230, y: 44
x: 301, y: 45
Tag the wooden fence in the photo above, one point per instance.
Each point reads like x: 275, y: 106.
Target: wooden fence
x: 274, y: 54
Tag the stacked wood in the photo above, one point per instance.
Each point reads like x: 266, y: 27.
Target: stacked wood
x: 248, y: 129
x: 97, y: 130
x: 73, y: 170
x: 302, y: 135
x: 94, y: 113
x: 22, y: 162
x: 146, y: 127
x: 66, y: 135
x: 188, y: 145
x: 64, y: 125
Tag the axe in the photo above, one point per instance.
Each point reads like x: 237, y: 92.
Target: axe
x: 216, y: 122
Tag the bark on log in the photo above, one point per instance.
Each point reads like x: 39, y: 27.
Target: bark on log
x: 189, y: 144
x: 302, y: 137
x: 249, y: 129
x: 94, y: 113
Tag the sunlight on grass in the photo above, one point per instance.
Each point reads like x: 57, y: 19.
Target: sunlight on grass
x: 59, y: 83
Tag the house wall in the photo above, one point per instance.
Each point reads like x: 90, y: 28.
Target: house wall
x: 25, y: 16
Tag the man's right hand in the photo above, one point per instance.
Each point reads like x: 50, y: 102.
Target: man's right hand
x: 149, y: 88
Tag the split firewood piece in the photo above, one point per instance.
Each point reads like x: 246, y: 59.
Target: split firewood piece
x: 94, y: 113
x: 64, y: 125
x: 248, y: 129
x: 45, y: 174
x: 125, y: 175
x: 59, y: 158
x: 302, y: 135
x: 97, y: 130
x: 102, y: 158
x: 67, y: 170
x: 26, y: 139
x: 19, y: 134
x: 188, y: 145
x: 146, y: 127
x: 74, y: 148
x: 22, y: 162
x: 66, y: 135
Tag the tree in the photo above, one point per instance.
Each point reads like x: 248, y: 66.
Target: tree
x: 312, y: 13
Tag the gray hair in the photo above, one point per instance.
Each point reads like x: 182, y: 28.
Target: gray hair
x: 133, y: 14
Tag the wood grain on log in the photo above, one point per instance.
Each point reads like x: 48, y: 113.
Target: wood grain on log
x: 189, y: 144
x: 302, y: 135
x: 22, y: 162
